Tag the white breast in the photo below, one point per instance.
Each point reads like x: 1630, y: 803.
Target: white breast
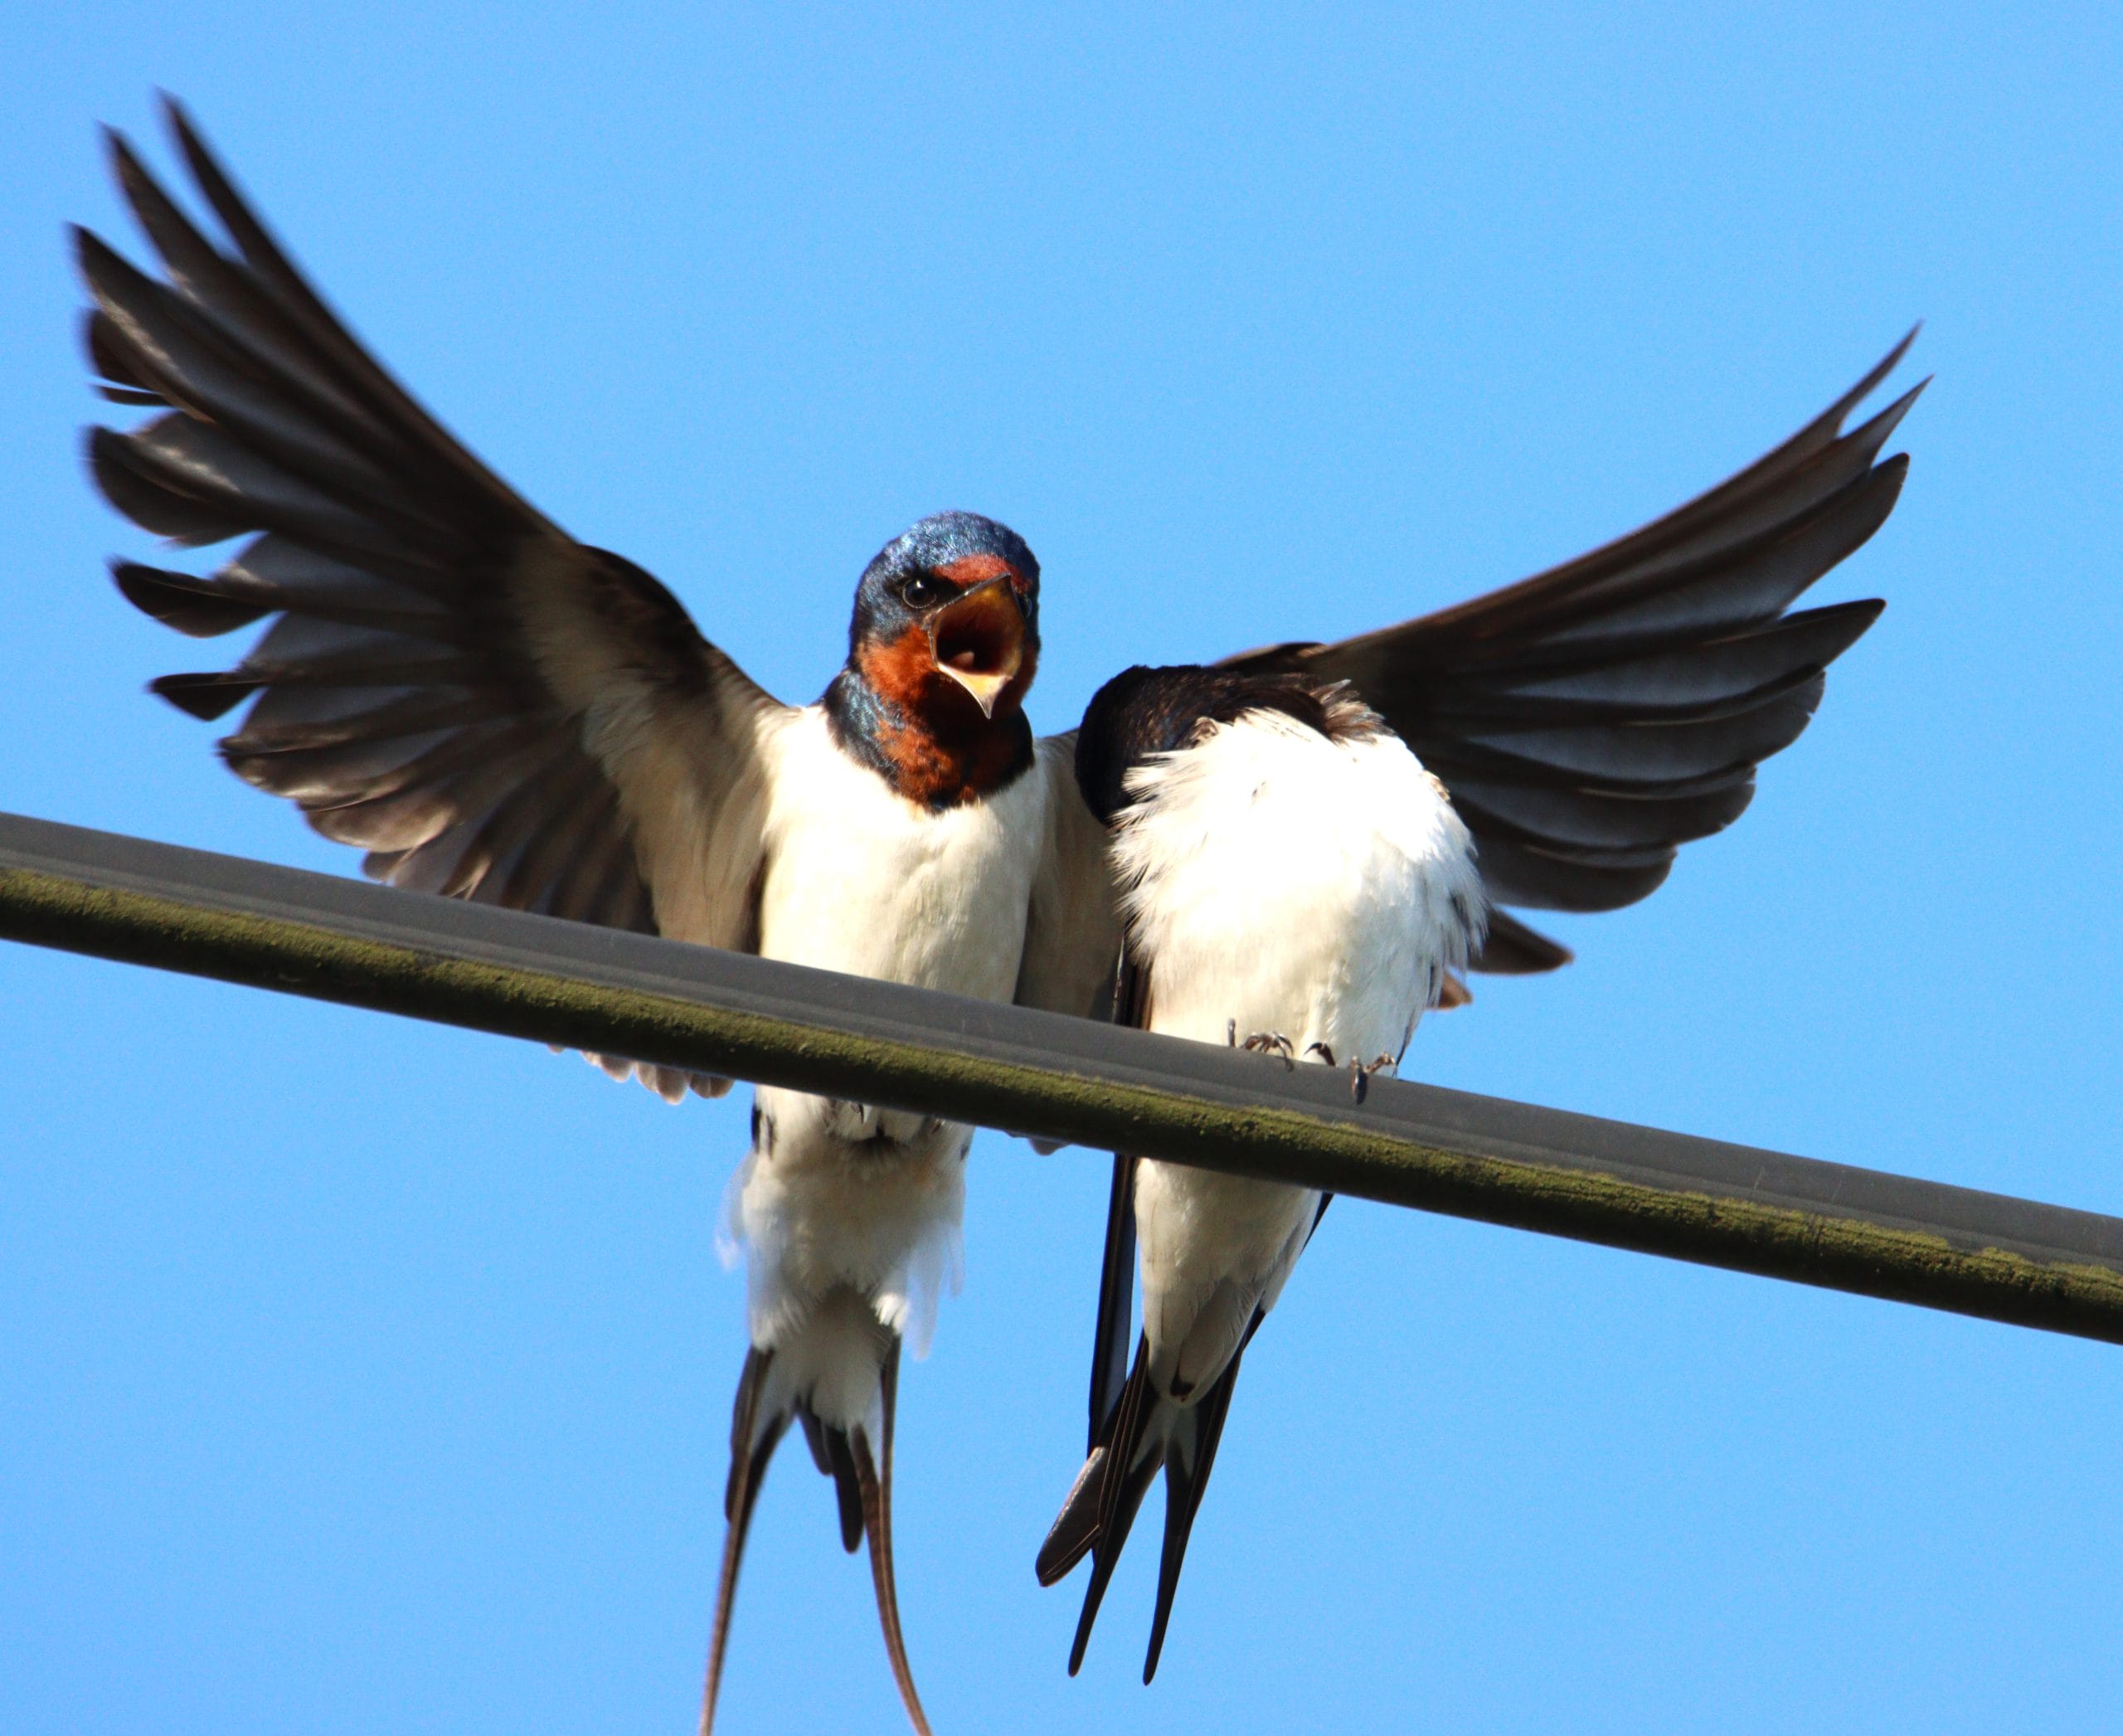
x: 1295, y: 884
x: 1276, y: 882
x: 860, y: 879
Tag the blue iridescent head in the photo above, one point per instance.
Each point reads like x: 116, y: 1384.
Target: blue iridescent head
x: 947, y: 608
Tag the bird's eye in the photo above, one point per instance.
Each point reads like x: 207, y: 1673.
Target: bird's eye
x: 923, y: 588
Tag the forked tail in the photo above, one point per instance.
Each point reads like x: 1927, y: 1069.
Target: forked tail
x: 1146, y: 1432
x: 862, y: 1480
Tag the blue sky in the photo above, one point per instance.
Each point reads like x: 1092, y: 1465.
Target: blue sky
x: 358, y: 1374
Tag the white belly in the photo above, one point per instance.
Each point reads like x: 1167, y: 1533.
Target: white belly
x: 1276, y: 883
x: 837, y: 1195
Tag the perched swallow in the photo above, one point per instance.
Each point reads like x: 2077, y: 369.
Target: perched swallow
x: 1311, y: 840
x: 496, y: 712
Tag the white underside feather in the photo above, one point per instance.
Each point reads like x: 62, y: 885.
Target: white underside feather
x: 1276, y: 881
x: 839, y: 1200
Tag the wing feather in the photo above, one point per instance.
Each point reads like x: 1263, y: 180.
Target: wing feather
x: 1072, y: 934
x: 1591, y: 719
x: 489, y: 708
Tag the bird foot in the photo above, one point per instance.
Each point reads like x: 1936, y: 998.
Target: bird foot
x: 1263, y: 1042
x: 1360, y: 1075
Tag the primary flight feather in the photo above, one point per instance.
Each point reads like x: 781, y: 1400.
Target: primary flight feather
x: 1312, y: 835
x: 494, y: 711
x: 1312, y: 841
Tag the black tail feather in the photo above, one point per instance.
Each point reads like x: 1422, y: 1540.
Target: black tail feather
x: 1123, y: 1487
x: 874, y: 1480
x: 1101, y: 1506
x: 1075, y: 1528
x: 1186, y: 1478
x: 862, y: 1481
x: 748, y: 1464
x: 830, y: 1452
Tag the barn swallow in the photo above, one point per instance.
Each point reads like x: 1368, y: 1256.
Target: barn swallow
x: 494, y: 711
x: 1312, y: 842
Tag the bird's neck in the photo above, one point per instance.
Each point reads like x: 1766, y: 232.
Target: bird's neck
x: 930, y: 743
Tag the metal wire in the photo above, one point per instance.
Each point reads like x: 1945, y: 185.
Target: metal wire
x: 1066, y: 1079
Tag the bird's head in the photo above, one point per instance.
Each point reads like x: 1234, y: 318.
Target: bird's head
x: 943, y: 646
x: 947, y: 622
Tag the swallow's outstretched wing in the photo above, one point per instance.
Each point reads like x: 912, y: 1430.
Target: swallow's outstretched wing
x: 1590, y: 720
x: 488, y: 708
x: 1586, y: 722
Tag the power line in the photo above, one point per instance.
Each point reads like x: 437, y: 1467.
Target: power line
x: 1894, y: 1237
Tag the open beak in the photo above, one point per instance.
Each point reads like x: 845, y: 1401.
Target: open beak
x: 978, y: 640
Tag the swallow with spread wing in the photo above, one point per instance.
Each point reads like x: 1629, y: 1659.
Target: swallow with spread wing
x: 494, y: 711
x: 1312, y: 842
